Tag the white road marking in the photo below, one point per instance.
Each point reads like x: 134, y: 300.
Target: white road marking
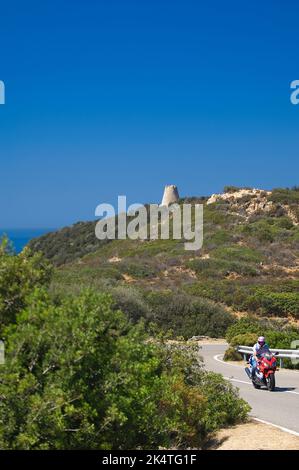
x: 276, y: 426
x: 242, y: 381
x: 223, y: 362
x: 236, y: 380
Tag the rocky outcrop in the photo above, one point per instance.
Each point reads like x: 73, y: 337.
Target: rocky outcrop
x: 251, y: 202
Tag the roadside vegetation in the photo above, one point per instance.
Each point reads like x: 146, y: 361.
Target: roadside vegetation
x: 80, y: 373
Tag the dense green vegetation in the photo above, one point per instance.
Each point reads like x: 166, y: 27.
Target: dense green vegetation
x: 248, y: 264
x: 18, y: 276
x: 279, y: 298
x: 68, y: 244
x: 187, y: 315
x: 285, y: 195
x: 80, y: 374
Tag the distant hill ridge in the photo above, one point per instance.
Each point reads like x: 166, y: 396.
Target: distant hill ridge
x: 249, y: 264
x: 73, y: 242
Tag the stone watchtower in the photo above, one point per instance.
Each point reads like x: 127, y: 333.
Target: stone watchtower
x: 170, y: 196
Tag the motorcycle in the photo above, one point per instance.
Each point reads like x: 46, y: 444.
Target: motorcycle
x: 265, y: 372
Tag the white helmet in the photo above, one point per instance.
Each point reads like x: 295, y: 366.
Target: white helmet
x: 261, y: 339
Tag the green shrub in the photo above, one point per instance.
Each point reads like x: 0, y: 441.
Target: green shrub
x: 232, y: 355
x: 225, y: 407
x: 68, y: 244
x: 232, y: 293
x: 20, y: 274
x: 220, y: 268
x: 137, y: 269
x: 274, y: 303
x: 212, y: 215
x: 216, y: 238
x: 284, y: 223
x: 284, y: 196
x: 244, y: 339
x: 277, y: 299
x: 75, y: 278
x: 243, y: 325
x: 238, y: 253
x: 188, y: 316
x: 233, y: 189
x: 131, y: 301
x: 79, y: 375
x: 270, y: 229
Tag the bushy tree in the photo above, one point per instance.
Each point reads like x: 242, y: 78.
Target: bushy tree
x: 79, y: 375
x: 19, y: 275
x: 187, y: 315
x: 244, y: 325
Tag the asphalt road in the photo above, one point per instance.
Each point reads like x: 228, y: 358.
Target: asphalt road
x: 280, y: 407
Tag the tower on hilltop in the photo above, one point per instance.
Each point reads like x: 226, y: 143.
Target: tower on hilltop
x: 170, y: 196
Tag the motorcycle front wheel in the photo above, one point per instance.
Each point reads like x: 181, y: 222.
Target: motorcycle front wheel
x: 271, y: 382
x: 255, y: 385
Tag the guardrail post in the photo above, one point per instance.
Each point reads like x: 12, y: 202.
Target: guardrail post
x: 244, y: 357
x: 281, y: 362
x: 1, y: 352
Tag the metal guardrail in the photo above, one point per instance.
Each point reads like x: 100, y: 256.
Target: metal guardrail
x: 1, y: 352
x: 281, y: 353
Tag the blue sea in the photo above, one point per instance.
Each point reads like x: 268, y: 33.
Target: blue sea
x: 20, y: 237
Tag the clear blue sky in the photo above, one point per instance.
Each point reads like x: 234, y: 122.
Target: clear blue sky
x: 122, y: 97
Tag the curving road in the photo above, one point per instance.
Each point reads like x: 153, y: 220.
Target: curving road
x: 280, y: 407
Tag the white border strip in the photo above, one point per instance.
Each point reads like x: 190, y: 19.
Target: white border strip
x: 237, y: 380
x: 294, y: 433
x: 223, y: 362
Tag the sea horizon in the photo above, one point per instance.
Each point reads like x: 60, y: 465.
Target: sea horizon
x: 20, y: 237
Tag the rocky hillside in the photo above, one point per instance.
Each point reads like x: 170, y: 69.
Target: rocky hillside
x: 249, y: 264
x: 249, y: 203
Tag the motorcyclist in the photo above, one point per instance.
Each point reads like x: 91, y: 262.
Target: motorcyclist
x: 261, y: 347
